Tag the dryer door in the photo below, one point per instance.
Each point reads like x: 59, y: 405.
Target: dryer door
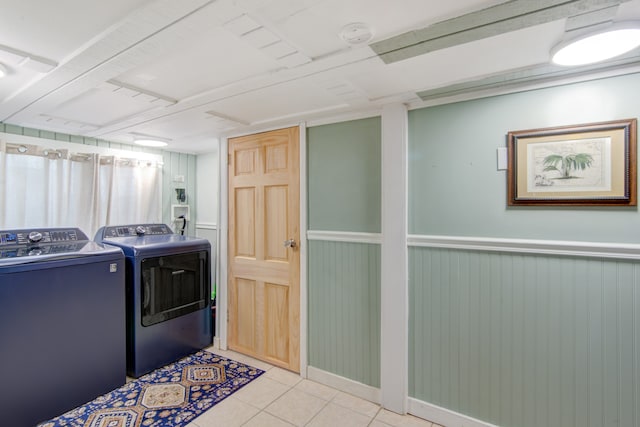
x: 174, y: 285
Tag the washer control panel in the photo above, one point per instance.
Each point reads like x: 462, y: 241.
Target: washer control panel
x: 135, y: 230
x: 38, y: 236
x: 35, y: 242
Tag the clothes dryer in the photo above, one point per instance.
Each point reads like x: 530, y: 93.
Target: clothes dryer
x: 168, y: 293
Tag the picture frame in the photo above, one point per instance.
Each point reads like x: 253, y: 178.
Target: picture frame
x: 590, y: 164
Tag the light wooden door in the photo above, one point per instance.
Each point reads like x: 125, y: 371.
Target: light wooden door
x: 264, y: 269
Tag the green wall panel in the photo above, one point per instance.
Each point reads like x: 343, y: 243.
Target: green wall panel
x: 523, y: 340
x: 344, y: 170
x: 344, y: 309
x: 456, y: 189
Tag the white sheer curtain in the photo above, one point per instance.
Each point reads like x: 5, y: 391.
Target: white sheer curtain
x: 42, y: 187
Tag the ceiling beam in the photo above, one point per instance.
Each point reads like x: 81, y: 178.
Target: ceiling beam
x: 540, y: 74
x: 505, y: 17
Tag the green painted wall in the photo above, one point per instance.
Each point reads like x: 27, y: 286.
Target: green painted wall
x: 344, y: 169
x: 519, y: 340
x: 344, y: 309
x: 174, y: 164
x: 455, y: 189
x: 524, y: 340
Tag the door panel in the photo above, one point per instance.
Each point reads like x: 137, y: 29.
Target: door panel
x: 275, y: 201
x: 245, y: 307
x: 245, y: 220
x: 264, y: 274
x: 277, y: 321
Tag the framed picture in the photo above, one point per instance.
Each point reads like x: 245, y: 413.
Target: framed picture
x: 583, y: 165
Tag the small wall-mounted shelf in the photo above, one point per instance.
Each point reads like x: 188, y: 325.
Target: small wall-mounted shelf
x: 177, y: 210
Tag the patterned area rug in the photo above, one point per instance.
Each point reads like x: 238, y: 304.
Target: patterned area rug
x: 168, y: 397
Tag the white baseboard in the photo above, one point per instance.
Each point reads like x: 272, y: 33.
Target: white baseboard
x: 443, y: 416
x: 217, y: 344
x: 346, y: 385
x: 416, y: 407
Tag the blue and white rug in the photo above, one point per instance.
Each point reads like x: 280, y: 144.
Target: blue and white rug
x: 168, y: 397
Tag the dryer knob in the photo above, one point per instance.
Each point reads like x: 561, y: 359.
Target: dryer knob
x: 35, y: 236
x: 140, y: 230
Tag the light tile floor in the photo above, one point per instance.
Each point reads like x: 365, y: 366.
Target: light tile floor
x: 280, y: 398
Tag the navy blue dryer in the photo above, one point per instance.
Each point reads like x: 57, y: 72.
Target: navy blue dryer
x: 168, y: 293
x: 62, y: 323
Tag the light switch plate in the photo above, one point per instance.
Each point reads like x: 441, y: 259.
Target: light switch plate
x: 502, y: 158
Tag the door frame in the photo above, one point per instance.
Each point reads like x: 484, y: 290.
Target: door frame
x: 223, y: 235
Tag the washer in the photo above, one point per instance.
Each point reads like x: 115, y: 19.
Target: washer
x: 168, y: 282
x: 62, y: 322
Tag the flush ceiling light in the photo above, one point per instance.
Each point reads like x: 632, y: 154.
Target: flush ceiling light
x: 3, y: 71
x: 150, y: 142
x: 594, y: 47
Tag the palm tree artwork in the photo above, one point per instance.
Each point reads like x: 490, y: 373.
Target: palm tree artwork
x: 565, y: 165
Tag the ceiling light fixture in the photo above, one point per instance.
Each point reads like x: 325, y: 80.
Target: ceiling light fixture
x: 3, y: 71
x: 588, y: 48
x: 150, y: 142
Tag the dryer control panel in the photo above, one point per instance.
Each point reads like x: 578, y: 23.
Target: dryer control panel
x: 134, y: 230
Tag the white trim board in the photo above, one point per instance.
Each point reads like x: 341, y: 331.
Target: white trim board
x: 544, y: 247
x: 206, y: 226
x: 345, y: 117
x: 363, y: 391
x: 394, y: 261
x: 304, y: 290
x: 345, y: 236
x: 222, y: 243
x: 443, y: 416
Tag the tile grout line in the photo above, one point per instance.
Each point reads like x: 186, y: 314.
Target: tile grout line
x: 375, y: 416
x: 261, y: 410
x: 320, y: 410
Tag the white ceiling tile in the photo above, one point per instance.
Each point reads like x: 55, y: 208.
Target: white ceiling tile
x: 100, y: 107
x: 213, y: 60
x: 56, y: 29
x: 9, y: 56
x: 159, y: 102
x: 282, y: 100
x: 41, y: 65
x: 294, y: 60
x: 124, y: 91
x: 60, y: 124
x: 145, y: 97
x: 241, y: 25
x: 279, y: 49
x: 109, y: 86
x: 260, y: 37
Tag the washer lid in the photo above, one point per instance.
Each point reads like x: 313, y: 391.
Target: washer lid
x: 46, y: 244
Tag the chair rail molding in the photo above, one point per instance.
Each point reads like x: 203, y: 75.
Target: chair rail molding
x: 207, y: 225
x: 547, y: 247
x: 345, y: 236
